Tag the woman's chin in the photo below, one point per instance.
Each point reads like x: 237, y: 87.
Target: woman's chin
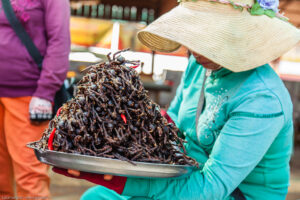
x: 211, y: 66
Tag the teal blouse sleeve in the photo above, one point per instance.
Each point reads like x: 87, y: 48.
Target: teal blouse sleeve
x: 174, y: 108
x: 176, y: 102
x: 242, y: 143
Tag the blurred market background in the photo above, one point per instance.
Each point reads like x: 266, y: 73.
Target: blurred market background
x: 101, y: 26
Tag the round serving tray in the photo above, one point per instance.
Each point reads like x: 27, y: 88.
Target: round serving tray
x: 101, y: 165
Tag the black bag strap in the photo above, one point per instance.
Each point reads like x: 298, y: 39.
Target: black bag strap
x: 22, y: 34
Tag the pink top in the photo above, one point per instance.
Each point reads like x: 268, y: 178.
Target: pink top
x: 47, y: 22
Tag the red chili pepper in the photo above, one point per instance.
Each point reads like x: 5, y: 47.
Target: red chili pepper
x: 58, y: 111
x: 50, y: 140
x: 124, y: 118
x: 51, y: 137
x: 135, y: 66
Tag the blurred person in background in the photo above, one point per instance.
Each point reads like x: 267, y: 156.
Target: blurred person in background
x: 26, y: 91
x: 232, y: 108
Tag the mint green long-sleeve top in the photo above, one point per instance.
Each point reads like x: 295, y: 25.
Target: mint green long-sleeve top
x: 243, y: 139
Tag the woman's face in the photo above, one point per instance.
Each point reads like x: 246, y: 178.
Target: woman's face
x: 206, y: 63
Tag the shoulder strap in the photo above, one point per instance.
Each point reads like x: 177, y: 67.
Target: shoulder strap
x: 22, y: 34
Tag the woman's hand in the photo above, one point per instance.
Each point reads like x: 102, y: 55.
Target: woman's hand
x: 76, y: 173
x: 39, y: 110
x: 116, y: 183
x: 73, y: 172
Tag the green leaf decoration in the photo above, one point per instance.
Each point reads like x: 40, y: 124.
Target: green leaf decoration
x: 236, y: 6
x: 257, y: 10
x: 270, y: 13
x: 241, y: 8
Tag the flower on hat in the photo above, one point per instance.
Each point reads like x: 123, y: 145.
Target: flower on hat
x: 256, y: 9
x: 269, y: 4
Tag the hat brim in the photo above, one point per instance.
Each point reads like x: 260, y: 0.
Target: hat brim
x: 232, y: 38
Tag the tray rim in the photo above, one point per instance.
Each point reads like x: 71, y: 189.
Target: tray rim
x: 29, y: 145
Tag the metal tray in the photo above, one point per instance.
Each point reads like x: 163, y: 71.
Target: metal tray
x: 110, y: 166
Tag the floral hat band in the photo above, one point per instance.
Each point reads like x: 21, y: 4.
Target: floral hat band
x: 259, y: 7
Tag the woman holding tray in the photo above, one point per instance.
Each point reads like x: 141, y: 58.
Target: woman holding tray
x: 234, y: 111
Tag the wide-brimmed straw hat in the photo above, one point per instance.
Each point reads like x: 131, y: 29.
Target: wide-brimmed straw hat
x: 238, y: 35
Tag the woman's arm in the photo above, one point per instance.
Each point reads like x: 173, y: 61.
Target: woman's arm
x: 56, y: 59
x: 242, y: 143
x: 176, y: 102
